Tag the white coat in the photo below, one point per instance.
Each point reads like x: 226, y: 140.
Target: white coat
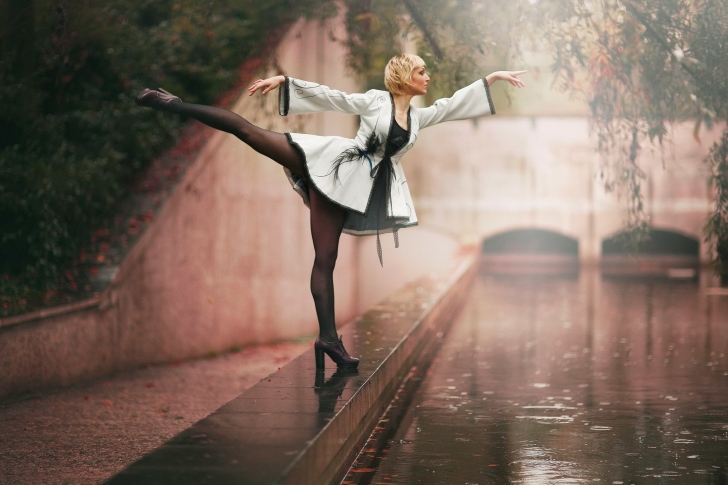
x: 352, y: 189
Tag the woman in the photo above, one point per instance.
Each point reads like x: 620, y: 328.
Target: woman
x: 354, y: 185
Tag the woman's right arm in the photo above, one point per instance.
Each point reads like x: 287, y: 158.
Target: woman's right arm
x: 266, y: 84
x: 298, y: 97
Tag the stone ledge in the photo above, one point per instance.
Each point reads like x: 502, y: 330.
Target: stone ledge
x: 49, y: 312
x: 306, y: 427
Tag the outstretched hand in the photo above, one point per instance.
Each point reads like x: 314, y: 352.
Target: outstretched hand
x: 510, y: 76
x: 266, y: 84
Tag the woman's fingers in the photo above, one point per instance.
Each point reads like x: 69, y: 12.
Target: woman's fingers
x: 265, y: 84
x: 513, y: 79
x: 256, y: 86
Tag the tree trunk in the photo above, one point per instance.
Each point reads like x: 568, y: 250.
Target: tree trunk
x: 17, y: 36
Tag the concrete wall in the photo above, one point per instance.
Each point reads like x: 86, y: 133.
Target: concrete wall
x: 229, y: 258
x: 227, y: 261
x: 475, y: 180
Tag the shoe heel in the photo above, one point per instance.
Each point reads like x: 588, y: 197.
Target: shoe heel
x: 319, y: 358
x: 137, y: 100
x: 164, y: 91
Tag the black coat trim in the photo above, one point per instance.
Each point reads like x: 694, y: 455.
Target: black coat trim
x: 310, y: 179
x: 487, y: 93
x: 284, y: 98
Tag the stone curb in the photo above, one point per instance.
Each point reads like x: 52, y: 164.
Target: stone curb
x: 49, y: 312
x: 303, y: 427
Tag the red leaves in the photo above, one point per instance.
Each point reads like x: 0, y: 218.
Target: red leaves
x: 148, y: 216
x: 132, y: 226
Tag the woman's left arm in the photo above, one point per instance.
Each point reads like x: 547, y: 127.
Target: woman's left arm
x: 469, y: 102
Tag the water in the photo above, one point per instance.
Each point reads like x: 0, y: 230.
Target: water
x: 582, y: 380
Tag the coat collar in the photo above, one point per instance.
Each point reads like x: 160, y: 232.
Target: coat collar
x: 392, y: 121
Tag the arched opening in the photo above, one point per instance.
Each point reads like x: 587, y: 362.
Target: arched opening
x: 530, y: 251
x: 663, y: 254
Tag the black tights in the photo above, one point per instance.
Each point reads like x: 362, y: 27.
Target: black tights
x: 327, y: 219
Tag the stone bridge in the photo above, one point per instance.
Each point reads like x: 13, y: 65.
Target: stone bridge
x: 519, y: 183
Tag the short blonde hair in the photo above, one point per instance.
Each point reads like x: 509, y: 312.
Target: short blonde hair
x: 399, y: 70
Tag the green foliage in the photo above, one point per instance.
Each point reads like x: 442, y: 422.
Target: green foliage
x: 717, y: 225
x: 71, y: 137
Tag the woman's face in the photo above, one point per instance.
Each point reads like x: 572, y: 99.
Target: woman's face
x: 419, y: 83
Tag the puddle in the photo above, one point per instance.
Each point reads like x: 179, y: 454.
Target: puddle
x: 631, y: 390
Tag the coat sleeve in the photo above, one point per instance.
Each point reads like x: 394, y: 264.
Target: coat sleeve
x: 469, y: 102
x: 296, y: 96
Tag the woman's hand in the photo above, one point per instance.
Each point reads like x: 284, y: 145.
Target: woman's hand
x: 266, y: 84
x: 510, y: 76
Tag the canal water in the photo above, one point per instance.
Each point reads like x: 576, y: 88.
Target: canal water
x: 572, y: 380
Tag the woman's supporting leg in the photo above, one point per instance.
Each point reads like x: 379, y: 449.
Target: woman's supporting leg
x: 269, y: 143
x: 327, y: 221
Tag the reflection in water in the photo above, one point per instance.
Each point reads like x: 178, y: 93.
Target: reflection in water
x: 553, y: 380
x: 330, y: 390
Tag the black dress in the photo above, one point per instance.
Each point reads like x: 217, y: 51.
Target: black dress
x: 384, y: 176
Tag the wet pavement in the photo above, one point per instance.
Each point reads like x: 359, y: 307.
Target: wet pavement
x: 303, y: 425
x: 570, y: 380
x: 85, y: 433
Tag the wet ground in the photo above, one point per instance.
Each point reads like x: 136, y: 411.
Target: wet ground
x: 86, y: 433
x: 571, y: 380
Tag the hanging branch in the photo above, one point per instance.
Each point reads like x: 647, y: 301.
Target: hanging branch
x: 436, y: 50
x: 654, y: 34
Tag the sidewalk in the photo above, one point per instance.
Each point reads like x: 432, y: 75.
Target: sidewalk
x: 85, y: 434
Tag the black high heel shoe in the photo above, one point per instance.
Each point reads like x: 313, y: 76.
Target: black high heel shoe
x: 336, y: 351
x: 157, y: 99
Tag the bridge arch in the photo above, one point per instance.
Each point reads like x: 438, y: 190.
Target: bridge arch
x: 531, y: 250
x: 666, y: 252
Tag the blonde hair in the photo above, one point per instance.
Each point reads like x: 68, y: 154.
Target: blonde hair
x: 399, y: 70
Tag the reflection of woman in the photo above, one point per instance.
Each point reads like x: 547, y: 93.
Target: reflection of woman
x: 354, y: 185
x: 329, y: 391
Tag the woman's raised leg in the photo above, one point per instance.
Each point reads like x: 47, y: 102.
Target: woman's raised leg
x: 269, y: 143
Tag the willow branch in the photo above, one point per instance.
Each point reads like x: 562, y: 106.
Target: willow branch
x: 417, y: 18
x: 654, y: 34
